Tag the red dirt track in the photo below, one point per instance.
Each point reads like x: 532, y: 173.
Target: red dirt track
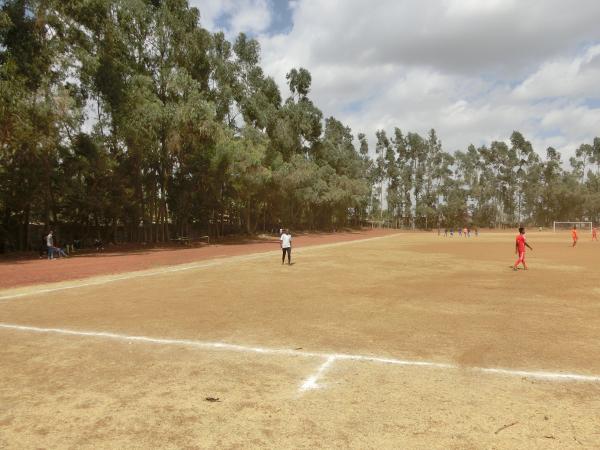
x: 15, y: 273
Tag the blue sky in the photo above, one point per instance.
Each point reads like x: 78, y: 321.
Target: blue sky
x: 475, y: 70
x: 280, y: 19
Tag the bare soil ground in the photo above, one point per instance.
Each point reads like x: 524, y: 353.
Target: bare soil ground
x: 393, y: 342
x: 22, y: 272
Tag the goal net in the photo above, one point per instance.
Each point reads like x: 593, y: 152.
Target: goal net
x: 564, y: 226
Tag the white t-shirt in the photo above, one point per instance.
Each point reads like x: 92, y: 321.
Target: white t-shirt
x: 286, y: 240
x: 49, y: 241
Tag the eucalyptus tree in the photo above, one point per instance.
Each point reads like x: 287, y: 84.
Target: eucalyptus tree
x: 378, y: 175
x: 295, y: 133
x: 367, y: 164
x: 299, y: 123
x: 405, y: 171
x: 592, y: 181
x: 348, y: 185
x: 416, y: 151
x: 433, y: 161
x: 551, y: 178
x: 525, y: 160
x: 387, y: 174
x: 37, y: 114
x: 583, y: 156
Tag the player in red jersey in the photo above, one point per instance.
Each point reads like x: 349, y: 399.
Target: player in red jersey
x: 520, y: 245
x: 594, y: 234
x: 574, y: 235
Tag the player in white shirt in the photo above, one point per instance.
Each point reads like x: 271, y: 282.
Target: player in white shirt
x: 286, y: 246
x: 50, y: 245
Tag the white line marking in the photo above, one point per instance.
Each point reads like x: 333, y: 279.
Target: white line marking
x: 311, y: 382
x: 398, y: 362
x: 176, y: 268
x: 552, y: 376
x: 540, y: 375
x: 112, y: 279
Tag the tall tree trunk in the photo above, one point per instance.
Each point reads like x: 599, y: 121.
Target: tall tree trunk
x: 24, y: 245
x: 247, y: 219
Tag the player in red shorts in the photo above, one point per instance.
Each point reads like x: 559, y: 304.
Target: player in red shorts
x: 574, y: 235
x: 594, y: 234
x: 520, y: 245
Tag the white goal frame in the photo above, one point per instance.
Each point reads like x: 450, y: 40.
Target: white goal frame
x: 588, y: 225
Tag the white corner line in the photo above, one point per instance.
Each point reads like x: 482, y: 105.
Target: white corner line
x: 105, y: 279
x: 330, y: 357
x: 311, y: 381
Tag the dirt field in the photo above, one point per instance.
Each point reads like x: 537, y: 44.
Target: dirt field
x: 23, y: 272
x: 407, y: 340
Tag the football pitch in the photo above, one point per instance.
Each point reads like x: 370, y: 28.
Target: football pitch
x: 410, y: 340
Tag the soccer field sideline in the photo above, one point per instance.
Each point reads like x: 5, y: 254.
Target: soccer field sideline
x: 100, y: 280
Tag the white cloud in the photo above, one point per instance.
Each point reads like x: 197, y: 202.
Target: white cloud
x: 471, y: 8
x: 249, y: 16
x: 455, y: 35
x: 475, y: 70
x: 454, y: 65
x: 566, y: 76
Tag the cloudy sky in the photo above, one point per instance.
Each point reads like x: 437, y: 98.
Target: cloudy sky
x: 475, y: 70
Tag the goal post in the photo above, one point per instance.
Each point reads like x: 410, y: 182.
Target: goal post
x: 564, y: 226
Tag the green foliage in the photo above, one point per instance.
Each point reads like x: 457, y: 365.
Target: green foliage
x: 127, y: 119
x: 187, y: 131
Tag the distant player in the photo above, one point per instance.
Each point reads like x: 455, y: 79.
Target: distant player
x: 286, y: 246
x: 594, y: 234
x: 520, y: 245
x: 574, y: 235
x: 50, y: 245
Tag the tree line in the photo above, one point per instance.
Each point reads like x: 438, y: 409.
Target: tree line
x: 127, y: 120
x: 186, y: 130
x: 500, y: 185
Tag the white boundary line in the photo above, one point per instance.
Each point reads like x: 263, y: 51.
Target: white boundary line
x: 96, y: 281
x: 330, y: 358
x: 311, y: 382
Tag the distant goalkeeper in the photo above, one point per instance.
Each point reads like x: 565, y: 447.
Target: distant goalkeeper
x: 520, y: 245
x: 574, y: 235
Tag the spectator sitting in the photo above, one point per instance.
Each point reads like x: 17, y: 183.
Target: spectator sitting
x: 61, y: 251
x: 98, y: 244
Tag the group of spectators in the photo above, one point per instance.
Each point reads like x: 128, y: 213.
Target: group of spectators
x: 50, y: 247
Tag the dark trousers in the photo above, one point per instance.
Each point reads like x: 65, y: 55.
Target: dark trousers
x: 289, y: 254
